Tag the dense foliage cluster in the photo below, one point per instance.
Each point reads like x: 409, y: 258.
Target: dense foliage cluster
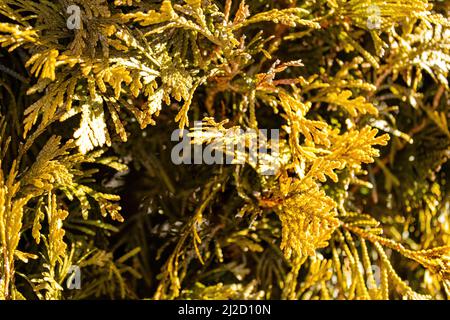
x: 92, y: 90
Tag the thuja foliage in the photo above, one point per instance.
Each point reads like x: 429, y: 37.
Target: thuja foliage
x: 91, y: 91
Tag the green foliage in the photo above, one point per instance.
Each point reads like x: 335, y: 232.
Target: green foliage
x: 357, y: 209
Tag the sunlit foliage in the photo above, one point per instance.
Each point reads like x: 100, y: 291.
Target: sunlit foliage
x: 358, y: 207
